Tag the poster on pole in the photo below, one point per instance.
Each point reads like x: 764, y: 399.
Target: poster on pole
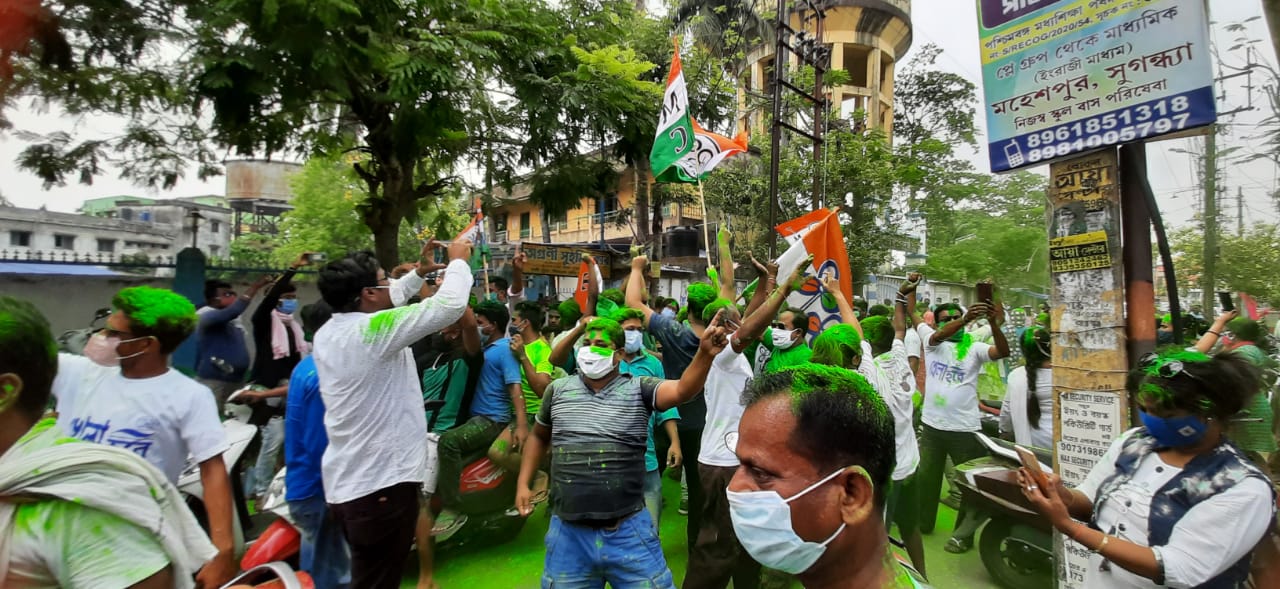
x: 1087, y: 325
x: 1063, y: 77
x: 560, y: 260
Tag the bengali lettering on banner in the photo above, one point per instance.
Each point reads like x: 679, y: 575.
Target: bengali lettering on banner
x: 559, y: 260
x: 1062, y: 77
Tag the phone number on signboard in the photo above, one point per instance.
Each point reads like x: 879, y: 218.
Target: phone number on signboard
x: 1136, y: 122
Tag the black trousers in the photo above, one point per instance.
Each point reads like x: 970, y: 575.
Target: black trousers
x: 379, y: 530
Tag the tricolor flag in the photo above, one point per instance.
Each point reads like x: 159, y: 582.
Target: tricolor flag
x: 709, y: 149
x: 584, y: 278
x: 817, y: 233
x: 475, y: 233
x: 673, y: 139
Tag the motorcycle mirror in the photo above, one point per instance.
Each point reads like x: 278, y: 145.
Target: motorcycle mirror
x: 101, y: 313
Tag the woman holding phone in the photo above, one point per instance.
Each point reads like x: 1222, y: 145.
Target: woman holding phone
x: 1173, y: 502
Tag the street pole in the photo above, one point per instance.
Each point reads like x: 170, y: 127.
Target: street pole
x: 1239, y: 210
x: 1210, y: 254
x: 819, y: 199
x: 1135, y: 218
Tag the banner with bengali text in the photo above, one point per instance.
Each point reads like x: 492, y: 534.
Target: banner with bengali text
x: 1062, y: 77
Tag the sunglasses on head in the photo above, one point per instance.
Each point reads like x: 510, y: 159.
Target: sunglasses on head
x: 1167, y: 369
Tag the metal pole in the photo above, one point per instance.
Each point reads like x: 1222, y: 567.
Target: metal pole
x: 1239, y: 210
x: 819, y: 107
x: 1136, y: 230
x: 775, y: 138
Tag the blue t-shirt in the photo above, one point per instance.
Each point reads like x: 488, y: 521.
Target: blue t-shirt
x: 500, y: 370
x: 679, y: 345
x: 304, y: 436
x: 646, y: 364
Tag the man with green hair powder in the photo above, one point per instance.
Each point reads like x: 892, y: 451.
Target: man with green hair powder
x: 123, y: 393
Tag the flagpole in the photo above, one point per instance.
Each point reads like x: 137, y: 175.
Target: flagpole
x: 706, y: 223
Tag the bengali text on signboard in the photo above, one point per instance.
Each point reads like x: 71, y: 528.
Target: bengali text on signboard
x: 1062, y: 77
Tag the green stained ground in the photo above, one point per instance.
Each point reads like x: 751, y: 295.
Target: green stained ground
x: 518, y: 563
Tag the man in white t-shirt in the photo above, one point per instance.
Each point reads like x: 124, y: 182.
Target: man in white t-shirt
x: 717, y: 557
x: 953, y: 361
x: 375, y: 467
x: 123, y: 393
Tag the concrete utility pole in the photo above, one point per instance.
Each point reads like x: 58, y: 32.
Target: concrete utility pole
x: 1239, y: 210
x: 1210, y: 254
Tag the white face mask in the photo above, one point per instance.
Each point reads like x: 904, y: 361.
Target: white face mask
x: 592, y: 364
x: 635, y: 341
x: 762, y: 522
x: 782, y: 339
x: 102, y: 349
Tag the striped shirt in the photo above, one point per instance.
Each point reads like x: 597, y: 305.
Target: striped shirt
x: 597, y: 445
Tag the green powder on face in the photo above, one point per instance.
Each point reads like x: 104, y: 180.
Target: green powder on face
x: 152, y: 307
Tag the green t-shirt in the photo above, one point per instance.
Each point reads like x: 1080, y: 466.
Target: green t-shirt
x: 539, y: 353
x: 779, y: 358
x: 58, y: 543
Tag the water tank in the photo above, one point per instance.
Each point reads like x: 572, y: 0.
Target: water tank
x: 259, y: 179
x: 680, y: 242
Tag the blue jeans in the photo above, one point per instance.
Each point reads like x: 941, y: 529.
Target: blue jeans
x: 653, y: 496
x: 627, y: 557
x: 259, y: 479
x: 324, y: 552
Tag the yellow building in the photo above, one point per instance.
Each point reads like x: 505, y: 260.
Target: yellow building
x: 514, y: 219
x: 866, y: 38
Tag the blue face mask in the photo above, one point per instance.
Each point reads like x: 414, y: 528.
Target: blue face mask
x: 1174, y: 432
x: 288, y: 306
x: 668, y: 313
x: 635, y: 341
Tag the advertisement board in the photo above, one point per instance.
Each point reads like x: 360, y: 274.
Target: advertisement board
x: 560, y: 260
x: 1062, y: 77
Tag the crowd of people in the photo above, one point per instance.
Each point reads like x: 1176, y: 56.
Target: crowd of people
x: 798, y: 447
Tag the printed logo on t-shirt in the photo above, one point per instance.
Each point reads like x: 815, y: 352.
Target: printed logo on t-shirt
x: 138, y: 441
x: 948, y: 373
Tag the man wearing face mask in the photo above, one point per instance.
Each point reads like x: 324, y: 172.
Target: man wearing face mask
x: 222, y: 358
x: 497, y: 403
x: 597, y: 423
x: 816, y: 447
x: 533, y: 353
x: 376, y: 465
x: 785, y: 340
x: 953, y: 362
x: 718, y: 556
x: 278, y: 347
x: 74, y: 514
x: 123, y: 393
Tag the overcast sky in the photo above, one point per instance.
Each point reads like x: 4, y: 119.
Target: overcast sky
x: 951, y: 24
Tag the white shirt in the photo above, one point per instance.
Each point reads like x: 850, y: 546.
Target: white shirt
x: 730, y: 373
x: 890, y: 375
x: 912, y: 342
x: 951, y: 385
x: 163, y: 419
x: 1208, y: 539
x: 1013, y: 412
x: 369, y: 385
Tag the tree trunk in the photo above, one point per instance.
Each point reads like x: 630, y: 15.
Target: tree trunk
x: 638, y: 171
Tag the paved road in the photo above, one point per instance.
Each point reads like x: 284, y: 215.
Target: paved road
x: 518, y: 564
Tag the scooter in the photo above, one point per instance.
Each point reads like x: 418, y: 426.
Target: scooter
x: 487, y: 496
x: 274, y: 575
x: 1016, y: 545
x: 239, y: 435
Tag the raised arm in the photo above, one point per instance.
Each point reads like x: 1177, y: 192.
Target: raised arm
x: 914, y: 279
x: 906, y: 292
x: 1214, y: 333
x: 635, y: 288
x: 470, y: 337
x: 538, y: 380
x: 517, y: 275
x: 755, y: 324
x: 209, y: 318
x: 727, y: 290
x: 262, y: 314
x: 676, y: 392
x: 847, y: 314
x: 593, y: 286
x: 398, y: 328
x: 995, y: 315
x: 563, y: 349
x: 945, y: 332
x: 766, y: 281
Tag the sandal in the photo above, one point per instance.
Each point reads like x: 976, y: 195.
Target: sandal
x: 958, y: 545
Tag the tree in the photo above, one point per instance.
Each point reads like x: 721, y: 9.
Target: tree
x: 1246, y: 263
x: 418, y: 87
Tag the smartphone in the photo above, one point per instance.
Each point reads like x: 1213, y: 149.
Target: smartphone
x: 1031, y: 463
x: 317, y: 258
x: 986, y: 293
x: 1225, y: 299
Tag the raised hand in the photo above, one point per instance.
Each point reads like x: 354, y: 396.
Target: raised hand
x: 460, y: 249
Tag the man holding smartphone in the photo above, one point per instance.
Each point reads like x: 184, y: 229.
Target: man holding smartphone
x: 953, y: 361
